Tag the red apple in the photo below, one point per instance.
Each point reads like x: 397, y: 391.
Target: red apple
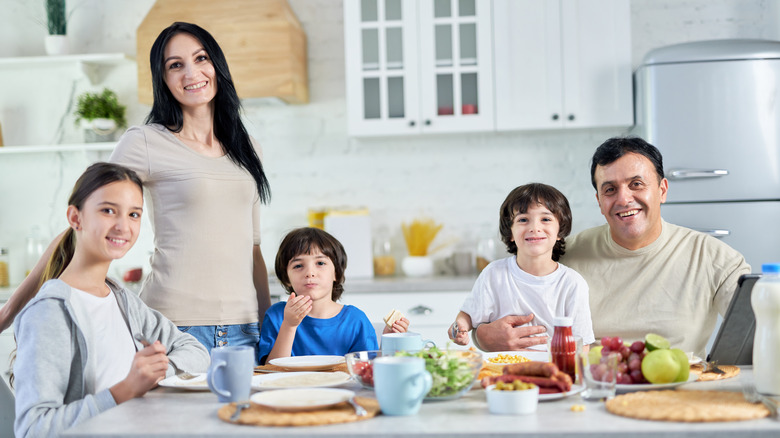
x: 133, y: 275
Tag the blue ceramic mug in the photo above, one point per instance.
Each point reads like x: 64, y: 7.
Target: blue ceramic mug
x: 400, y: 384
x: 230, y: 373
x: 392, y: 342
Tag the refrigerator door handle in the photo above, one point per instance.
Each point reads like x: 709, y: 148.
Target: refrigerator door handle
x: 714, y: 233
x: 678, y: 174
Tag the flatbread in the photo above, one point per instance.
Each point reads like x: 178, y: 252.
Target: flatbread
x: 686, y: 406
x: 728, y: 372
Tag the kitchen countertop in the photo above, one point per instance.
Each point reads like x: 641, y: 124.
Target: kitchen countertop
x: 169, y: 413
x: 401, y: 284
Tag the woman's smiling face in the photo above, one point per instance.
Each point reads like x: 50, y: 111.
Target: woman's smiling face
x: 189, y: 72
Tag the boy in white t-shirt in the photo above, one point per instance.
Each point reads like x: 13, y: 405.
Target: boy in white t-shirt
x: 534, y: 220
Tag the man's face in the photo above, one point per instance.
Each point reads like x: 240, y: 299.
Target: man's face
x: 630, y: 197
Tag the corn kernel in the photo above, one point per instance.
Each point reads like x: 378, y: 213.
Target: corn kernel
x: 577, y: 408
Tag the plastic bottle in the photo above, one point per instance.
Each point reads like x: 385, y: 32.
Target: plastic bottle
x: 765, y: 300
x: 563, y: 348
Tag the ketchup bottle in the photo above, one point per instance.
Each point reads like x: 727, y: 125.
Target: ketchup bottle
x: 563, y: 347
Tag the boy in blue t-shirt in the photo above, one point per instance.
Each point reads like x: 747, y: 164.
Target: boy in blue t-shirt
x: 310, y: 264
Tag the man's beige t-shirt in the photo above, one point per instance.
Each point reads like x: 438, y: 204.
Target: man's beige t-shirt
x: 675, y: 286
x: 205, y: 213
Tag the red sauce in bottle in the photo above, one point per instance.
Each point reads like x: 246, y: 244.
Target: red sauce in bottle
x: 563, y: 347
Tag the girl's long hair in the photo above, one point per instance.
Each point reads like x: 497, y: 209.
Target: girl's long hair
x: 95, y: 177
x: 228, y: 127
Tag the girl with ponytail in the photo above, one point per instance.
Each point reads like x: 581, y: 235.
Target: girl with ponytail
x: 76, y: 353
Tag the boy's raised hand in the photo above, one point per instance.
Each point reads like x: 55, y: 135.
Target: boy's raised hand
x: 296, y: 309
x: 400, y: 326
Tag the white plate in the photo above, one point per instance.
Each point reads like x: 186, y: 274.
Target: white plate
x: 541, y: 356
x: 622, y: 389
x: 196, y: 384
x: 575, y: 389
x: 301, y: 379
x: 307, y: 363
x: 301, y: 399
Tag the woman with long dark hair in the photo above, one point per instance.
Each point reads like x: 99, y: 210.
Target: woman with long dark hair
x: 205, y: 185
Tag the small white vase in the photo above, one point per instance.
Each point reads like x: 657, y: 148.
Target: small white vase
x: 417, y: 266
x: 99, y: 130
x: 56, y: 44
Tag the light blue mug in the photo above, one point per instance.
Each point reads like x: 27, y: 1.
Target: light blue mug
x: 400, y: 384
x: 230, y: 373
x: 392, y: 342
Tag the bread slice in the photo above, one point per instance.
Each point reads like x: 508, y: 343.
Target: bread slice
x: 392, y: 317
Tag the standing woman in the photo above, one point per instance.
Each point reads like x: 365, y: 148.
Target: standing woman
x: 205, y: 184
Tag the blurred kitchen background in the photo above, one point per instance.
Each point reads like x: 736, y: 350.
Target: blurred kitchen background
x: 458, y: 177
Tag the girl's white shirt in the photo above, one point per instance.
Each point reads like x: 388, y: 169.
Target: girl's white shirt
x: 110, y: 345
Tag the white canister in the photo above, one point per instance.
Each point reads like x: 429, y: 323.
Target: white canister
x: 765, y: 300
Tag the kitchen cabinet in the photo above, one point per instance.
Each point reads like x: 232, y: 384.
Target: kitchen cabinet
x: 430, y: 313
x: 418, y: 66
x: 562, y: 64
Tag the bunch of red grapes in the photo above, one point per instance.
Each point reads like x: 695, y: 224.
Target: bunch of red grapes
x: 629, y: 368
x: 366, y: 372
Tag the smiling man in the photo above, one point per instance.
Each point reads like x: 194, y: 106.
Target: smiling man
x: 644, y: 274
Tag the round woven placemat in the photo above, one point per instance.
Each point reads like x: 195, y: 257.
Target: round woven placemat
x: 274, y: 368
x: 689, y: 406
x: 262, y: 416
x: 728, y: 371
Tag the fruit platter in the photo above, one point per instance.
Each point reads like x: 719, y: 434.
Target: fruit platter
x: 648, y: 364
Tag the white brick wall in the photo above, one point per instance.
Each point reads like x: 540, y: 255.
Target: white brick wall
x: 459, y: 180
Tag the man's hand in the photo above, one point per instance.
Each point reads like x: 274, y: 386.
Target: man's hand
x: 506, y: 334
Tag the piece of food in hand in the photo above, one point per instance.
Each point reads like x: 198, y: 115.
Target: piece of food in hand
x: 133, y: 275
x: 392, y: 317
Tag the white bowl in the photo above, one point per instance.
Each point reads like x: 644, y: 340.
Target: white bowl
x: 417, y: 266
x: 512, y: 402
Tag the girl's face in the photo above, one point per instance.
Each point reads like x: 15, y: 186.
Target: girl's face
x: 108, y: 223
x: 535, y: 232
x: 312, y: 274
x: 188, y: 70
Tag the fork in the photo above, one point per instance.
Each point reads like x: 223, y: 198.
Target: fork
x: 145, y: 342
x: 753, y: 396
x: 359, y: 410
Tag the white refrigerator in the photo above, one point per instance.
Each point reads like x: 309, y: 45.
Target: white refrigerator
x: 713, y: 110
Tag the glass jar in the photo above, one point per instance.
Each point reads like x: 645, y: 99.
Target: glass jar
x: 4, y: 278
x: 384, y: 262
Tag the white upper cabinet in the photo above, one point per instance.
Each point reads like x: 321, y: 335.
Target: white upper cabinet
x: 418, y: 66
x: 562, y: 64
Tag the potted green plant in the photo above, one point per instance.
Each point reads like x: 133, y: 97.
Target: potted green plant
x: 100, y: 115
x: 57, y: 25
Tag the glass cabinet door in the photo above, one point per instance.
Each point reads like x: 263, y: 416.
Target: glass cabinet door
x: 381, y: 62
x: 455, y: 65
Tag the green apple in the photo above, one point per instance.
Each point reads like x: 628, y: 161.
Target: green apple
x: 660, y: 366
x: 682, y: 360
x: 594, y: 355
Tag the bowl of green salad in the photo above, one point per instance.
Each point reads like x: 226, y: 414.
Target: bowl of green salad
x: 453, y: 371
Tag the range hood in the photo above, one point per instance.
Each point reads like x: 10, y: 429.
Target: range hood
x: 263, y: 42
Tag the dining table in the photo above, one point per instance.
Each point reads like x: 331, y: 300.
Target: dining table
x: 168, y: 412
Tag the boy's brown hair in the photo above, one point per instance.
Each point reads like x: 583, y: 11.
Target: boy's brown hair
x: 521, y: 198
x: 302, y: 241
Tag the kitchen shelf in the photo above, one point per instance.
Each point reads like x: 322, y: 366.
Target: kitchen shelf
x: 79, y: 147
x: 94, y: 65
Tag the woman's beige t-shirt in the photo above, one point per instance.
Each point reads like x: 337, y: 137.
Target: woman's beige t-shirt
x: 205, y: 213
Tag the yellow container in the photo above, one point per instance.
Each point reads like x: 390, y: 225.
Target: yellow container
x: 317, y: 218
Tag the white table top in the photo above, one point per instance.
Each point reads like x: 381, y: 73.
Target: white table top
x: 171, y: 413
